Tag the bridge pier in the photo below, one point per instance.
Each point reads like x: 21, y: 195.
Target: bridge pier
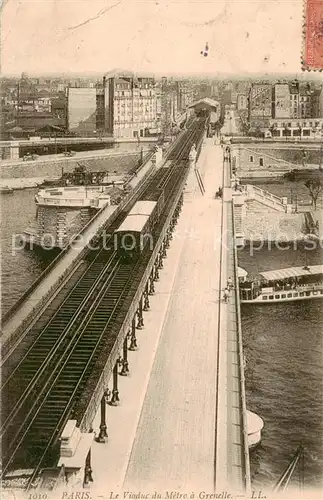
x: 88, y: 478
x: 125, y: 365
x: 103, y: 424
x: 133, y: 341
x: 115, y: 392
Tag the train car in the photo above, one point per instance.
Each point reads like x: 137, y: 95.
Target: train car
x: 136, y: 230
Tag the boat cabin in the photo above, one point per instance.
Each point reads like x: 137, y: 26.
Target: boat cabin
x: 294, y: 283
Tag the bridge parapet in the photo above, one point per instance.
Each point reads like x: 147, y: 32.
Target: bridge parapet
x: 232, y: 468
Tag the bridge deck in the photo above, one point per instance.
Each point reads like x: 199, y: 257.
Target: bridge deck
x: 175, y: 440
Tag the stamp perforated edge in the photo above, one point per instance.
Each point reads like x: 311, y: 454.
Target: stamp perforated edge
x: 304, y: 65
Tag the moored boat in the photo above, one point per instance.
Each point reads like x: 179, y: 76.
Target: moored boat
x: 283, y: 285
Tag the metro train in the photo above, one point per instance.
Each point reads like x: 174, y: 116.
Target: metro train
x: 136, y: 231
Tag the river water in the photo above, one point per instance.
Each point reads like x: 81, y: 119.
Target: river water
x: 282, y: 345
x: 284, y: 376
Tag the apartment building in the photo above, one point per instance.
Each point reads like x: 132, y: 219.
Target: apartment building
x: 81, y: 110
x: 185, y: 95
x: 123, y: 106
x: 242, y: 102
x: 311, y: 128
x: 130, y: 106
x: 281, y: 101
x: 260, y: 101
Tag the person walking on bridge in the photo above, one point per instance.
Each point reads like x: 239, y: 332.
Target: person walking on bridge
x: 229, y: 283
x: 226, y: 295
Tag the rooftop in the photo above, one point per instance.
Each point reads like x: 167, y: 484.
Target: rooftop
x: 290, y: 272
x: 207, y: 101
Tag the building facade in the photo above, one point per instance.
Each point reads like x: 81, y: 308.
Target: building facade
x: 123, y: 106
x: 260, y: 101
x: 129, y: 106
x: 184, y: 96
x: 317, y: 103
x: 81, y: 110
x: 311, y: 128
x: 242, y: 102
x: 281, y: 101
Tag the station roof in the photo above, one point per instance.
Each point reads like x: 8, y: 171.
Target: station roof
x: 133, y: 224
x: 292, y: 272
x: 143, y: 207
x: 205, y: 103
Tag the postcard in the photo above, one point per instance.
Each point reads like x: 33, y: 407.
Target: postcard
x: 161, y: 195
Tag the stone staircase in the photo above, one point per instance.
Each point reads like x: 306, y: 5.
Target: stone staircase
x: 260, y: 201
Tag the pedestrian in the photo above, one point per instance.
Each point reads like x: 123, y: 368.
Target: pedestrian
x: 226, y: 295
x: 230, y: 283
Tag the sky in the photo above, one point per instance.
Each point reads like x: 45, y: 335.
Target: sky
x: 61, y: 36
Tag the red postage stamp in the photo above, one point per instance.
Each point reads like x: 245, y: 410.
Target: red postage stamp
x: 313, y: 35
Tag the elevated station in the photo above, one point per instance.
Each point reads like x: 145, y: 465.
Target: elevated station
x: 164, y: 402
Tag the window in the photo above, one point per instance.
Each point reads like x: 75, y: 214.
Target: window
x: 261, y: 162
x: 295, y: 294
x: 271, y: 297
x: 289, y: 295
x: 277, y: 296
x: 306, y: 132
x: 302, y: 294
x: 265, y: 298
x: 284, y: 296
x: 251, y: 159
x: 307, y: 294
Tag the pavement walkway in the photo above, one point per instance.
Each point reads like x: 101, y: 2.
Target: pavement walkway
x: 175, y: 441
x: 163, y: 433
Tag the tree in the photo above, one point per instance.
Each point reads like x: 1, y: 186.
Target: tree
x: 314, y: 187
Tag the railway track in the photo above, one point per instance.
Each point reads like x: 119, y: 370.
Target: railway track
x: 54, y: 403
x: 56, y: 368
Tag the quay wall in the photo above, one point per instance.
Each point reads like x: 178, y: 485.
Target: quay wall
x: 118, y: 163
x: 252, y: 161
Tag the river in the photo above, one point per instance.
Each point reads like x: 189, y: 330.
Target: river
x: 282, y: 345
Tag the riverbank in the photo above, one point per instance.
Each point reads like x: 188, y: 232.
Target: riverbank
x: 34, y: 173
x: 117, y: 163
x: 28, y: 183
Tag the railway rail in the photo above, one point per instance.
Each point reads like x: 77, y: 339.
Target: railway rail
x: 40, y: 394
